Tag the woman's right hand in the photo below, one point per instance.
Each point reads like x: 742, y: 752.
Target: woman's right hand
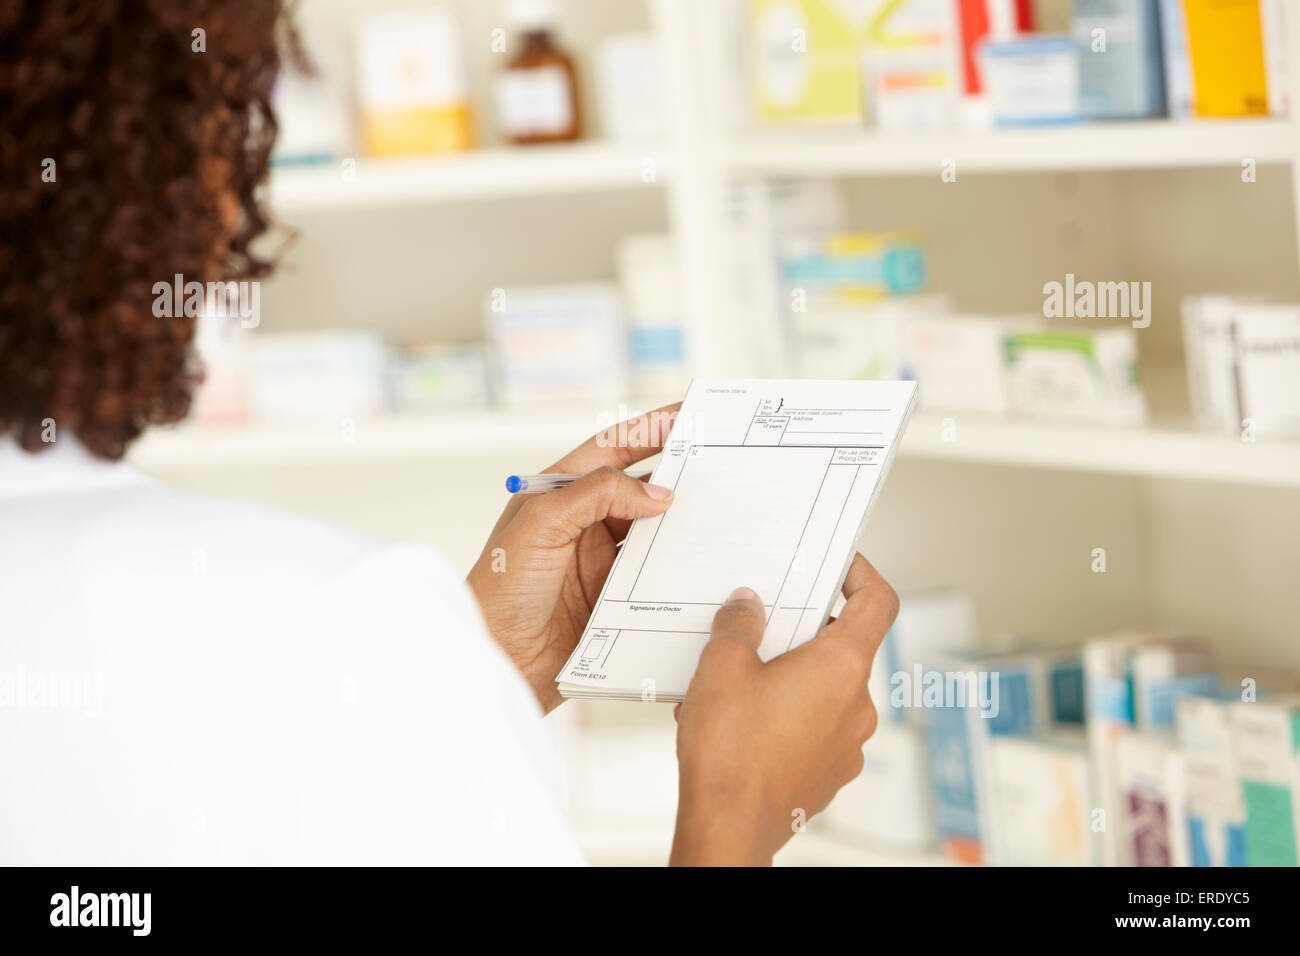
x: 763, y: 746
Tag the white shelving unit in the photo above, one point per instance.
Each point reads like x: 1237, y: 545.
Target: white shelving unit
x: 1167, y: 452
x: 1160, y: 452
x: 485, y: 174
x: 1154, y: 144
x: 379, y: 440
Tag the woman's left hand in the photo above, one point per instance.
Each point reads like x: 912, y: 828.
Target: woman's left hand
x: 541, y: 572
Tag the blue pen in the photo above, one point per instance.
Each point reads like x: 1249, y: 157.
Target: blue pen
x: 537, y: 484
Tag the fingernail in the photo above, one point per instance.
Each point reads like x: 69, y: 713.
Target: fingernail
x: 658, y: 492
x: 742, y: 594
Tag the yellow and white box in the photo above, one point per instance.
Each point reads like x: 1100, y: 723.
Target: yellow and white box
x: 806, y: 62
x: 411, y: 85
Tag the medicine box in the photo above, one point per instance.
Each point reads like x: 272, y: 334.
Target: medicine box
x: 1273, y: 23
x: 1121, y: 74
x: 959, y: 361
x: 805, y: 62
x: 1243, y: 365
x: 1225, y: 42
x: 1032, y: 80
x: 1179, y: 91
x: 983, y: 21
x: 1077, y: 374
x: 1108, y: 702
x: 834, y: 339
x: 1042, y: 800
x: 1209, y: 329
x: 1151, y: 825
x: 1267, y: 366
x: 654, y: 299
x: 429, y: 377
x: 630, y: 87
x: 929, y: 625
x: 853, y: 266
x: 913, y: 60
x: 412, y: 91
x: 1216, y: 811
x: 316, y: 375
x: 557, y: 343
x: 1165, y: 670
x: 1266, y: 736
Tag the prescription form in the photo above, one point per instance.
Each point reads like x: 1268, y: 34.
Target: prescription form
x: 772, y: 482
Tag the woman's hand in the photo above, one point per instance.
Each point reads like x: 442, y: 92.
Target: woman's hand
x: 546, y: 560
x: 761, y: 746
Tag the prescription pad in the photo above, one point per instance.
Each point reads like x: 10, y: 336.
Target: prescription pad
x: 772, y: 482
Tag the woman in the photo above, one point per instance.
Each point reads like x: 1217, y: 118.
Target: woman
x: 185, y: 680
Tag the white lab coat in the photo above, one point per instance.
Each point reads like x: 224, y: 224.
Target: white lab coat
x: 194, y: 681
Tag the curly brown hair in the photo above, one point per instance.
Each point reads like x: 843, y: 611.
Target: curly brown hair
x: 134, y: 137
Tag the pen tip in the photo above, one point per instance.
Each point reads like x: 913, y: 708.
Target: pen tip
x: 513, y: 484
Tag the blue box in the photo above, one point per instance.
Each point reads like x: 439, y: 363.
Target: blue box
x: 1121, y: 66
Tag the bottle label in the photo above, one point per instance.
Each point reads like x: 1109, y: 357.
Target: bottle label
x: 534, y: 102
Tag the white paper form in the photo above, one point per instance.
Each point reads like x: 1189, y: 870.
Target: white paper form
x: 772, y: 481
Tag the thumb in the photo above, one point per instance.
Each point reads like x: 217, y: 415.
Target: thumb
x: 558, y: 517
x: 741, y: 618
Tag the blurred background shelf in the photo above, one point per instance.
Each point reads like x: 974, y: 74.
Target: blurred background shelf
x: 1162, y: 452
x: 383, y: 439
x: 1152, y: 144
x: 560, y: 169
x: 598, y: 167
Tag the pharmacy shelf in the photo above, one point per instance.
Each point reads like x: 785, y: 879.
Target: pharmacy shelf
x: 383, y: 439
x: 482, y: 174
x: 1155, y: 144
x: 1161, y: 452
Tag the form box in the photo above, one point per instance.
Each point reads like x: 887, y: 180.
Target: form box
x: 866, y: 425
x: 792, y: 437
x: 748, y: 504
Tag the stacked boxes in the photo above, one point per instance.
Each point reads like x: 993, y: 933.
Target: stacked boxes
x: 1133, y: 682
x: 976, y: 700
x: 1134, y: 751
